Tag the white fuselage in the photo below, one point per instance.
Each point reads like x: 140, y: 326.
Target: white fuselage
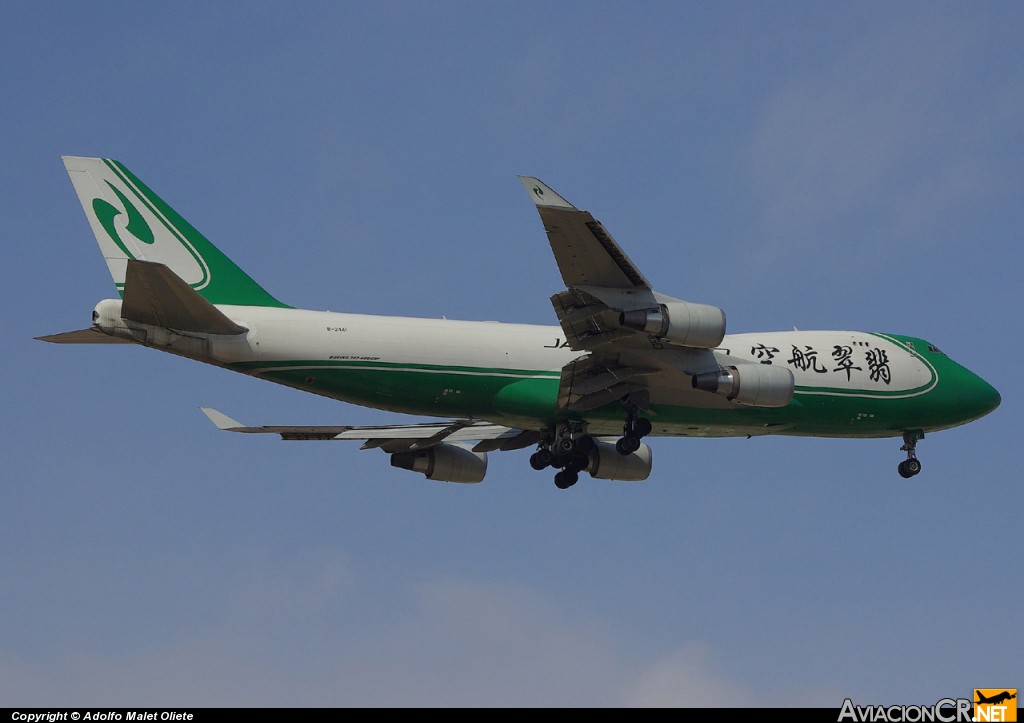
x: 305, y: 348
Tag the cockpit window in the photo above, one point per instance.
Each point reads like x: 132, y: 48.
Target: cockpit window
x: 933, y: 348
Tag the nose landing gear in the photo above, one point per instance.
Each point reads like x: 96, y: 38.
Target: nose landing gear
x: 911, y: 465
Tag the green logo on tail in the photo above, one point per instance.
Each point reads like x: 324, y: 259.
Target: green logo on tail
x: 136, y: 225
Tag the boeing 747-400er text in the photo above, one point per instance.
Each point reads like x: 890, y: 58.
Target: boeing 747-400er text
x: 625, y: 362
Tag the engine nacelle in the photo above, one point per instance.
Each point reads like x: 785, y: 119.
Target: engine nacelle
x: 444, y: 462
x: 607, y: 463
x: 679, y: 322
x: 755, y: 385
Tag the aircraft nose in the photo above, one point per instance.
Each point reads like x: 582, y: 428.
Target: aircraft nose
x: 990, y: 396
x: 981, y: 399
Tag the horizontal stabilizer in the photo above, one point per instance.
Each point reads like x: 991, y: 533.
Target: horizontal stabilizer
x: 153, y: 294
x: 92, y: 335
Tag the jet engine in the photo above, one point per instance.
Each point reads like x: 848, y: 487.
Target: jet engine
x: 679, y: 322
x: 607, y: 463
x: 444, y: 462
x: 755, y: 385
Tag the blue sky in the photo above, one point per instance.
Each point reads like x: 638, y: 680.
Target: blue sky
x: 819, y: 165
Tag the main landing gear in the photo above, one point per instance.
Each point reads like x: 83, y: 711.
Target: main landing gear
x: 568, y: 447
x: 568, y: 450
x: 911, y: 465
x: 633, y: 431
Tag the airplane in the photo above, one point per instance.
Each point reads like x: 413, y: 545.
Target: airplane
x: 995, y: 699
x: 625, y: 363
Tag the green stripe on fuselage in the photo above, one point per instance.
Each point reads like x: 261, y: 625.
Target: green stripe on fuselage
x: 434, y: 390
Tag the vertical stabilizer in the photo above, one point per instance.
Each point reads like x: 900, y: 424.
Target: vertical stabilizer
x: 131, y: 222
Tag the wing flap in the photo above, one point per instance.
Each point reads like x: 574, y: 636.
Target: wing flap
x: 510, y: 440
x: 586, y: 321
x: 593, y: 381
x: 390, y: 438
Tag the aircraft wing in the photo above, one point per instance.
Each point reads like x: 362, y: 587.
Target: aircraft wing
x: 586, y: 253
x: 641, y: 343
x: 396, y: 438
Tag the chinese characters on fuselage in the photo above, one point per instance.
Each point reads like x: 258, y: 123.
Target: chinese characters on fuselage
x: 844, y: 360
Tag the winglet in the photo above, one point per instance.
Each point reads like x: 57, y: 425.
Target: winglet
x: 542, y: 194
x: 586, y: 254
x: 221, y: 420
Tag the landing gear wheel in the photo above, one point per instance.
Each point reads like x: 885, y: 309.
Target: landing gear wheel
x: 909, y: 467
x: 566, y: 479
x: 627, y: 445
x: 540, y: 459
x: 566, y: 447
x: 579, y: 462
x: 633, y: 430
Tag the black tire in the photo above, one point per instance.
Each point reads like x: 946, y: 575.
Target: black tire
x: 566, y: 479
x: 627, y: 445
x: 643, y: 427
x: 909, y: 467
x: 585, y: 444
x: 567, y: 446
x: 541, y: 459
x: 579, y: 462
